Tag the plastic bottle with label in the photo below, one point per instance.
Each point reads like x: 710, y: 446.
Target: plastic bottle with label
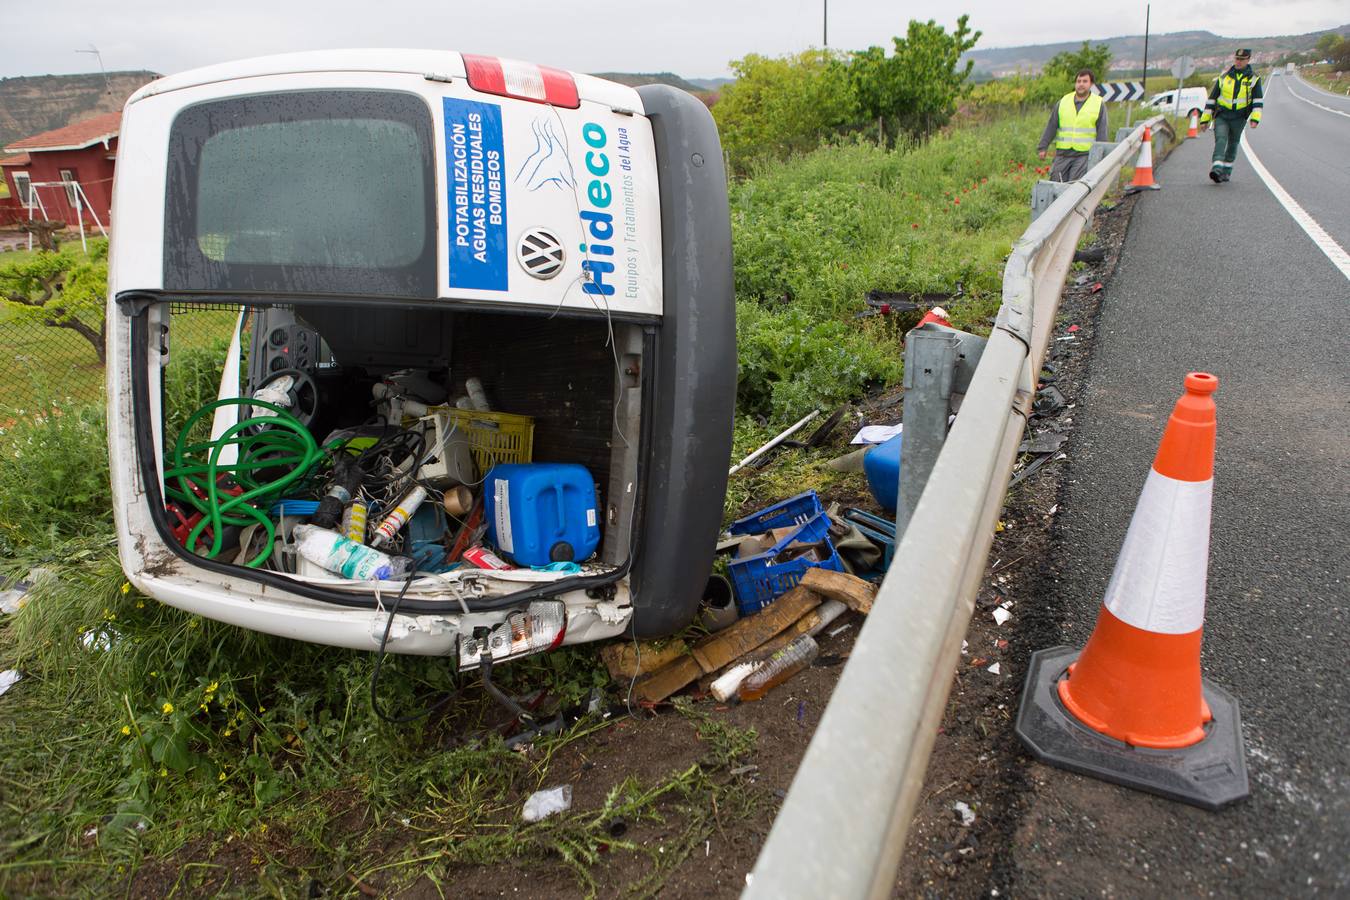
x: 347, y: 558
x: 779, y: 668
x: 386, y: 530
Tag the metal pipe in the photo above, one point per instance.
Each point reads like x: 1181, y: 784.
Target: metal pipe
x: 771, y: 444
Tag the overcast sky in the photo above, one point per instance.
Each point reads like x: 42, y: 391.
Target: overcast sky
x: 694, y: 38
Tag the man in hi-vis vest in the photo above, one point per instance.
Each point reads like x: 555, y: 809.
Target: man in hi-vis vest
x: 1235, y: 100
x: 1078, y: 120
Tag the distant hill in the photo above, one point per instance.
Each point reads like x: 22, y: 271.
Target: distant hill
x: 1208, y: 49
x: 634, y: 79
x: 32, y: 104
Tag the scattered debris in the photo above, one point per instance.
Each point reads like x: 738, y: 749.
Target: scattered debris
x: 629, y: 658
x: 995, y: 669
x: 99, y: 639
x: 835, y: 632
x: 877, y: 434
x: 848, y: 589
x: 778, y: 439
x: 542, y: 804
x: 1001, y: 615
x: 1044, y: 442
x: 965, y: 812
x: 12, y: 600
x: 8, y: 679
x: 1048, y: 400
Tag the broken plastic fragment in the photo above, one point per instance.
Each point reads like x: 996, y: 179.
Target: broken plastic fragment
x: 995, y: 669
x: 8, y: 678
x: 965, y: 812
x: 1001, y: 615
x: 542, y: 804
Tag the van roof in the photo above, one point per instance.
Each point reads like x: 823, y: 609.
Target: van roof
x: 441, y: 63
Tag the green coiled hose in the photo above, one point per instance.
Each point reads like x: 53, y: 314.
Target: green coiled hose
x: 284, y: 443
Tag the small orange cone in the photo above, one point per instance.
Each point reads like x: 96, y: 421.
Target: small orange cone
x: 1137, y: 683
x: 1143, y: 166
x: 1194, y: 130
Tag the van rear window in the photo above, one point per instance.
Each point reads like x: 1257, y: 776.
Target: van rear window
x: 310, y: 192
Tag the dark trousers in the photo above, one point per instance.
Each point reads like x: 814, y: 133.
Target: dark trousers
x: 1227, y: 137
x: 1068, y: 166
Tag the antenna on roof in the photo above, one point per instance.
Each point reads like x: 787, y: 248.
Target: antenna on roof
x: 107, y: 86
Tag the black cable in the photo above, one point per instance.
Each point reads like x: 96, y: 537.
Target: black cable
x: 379, y: 663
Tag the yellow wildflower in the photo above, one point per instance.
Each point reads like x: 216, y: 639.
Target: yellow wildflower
x: 140, y: 604
x: 221, y: 777
x: 211, y: 688
x: 126, y: 587
x: 126, y: 729
x: 163, y: 771
x: 168, y: 708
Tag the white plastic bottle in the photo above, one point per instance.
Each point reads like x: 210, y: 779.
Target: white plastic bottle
x: 347, y: 558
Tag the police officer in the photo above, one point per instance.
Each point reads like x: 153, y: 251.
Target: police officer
x: 1235, y: 100
x: 1074, y: 124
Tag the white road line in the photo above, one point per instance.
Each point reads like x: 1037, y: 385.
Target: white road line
x: 1321, y: 90
x: 1325, y: 242
x: 1315, y: 103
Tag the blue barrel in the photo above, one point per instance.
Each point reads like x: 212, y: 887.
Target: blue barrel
x: 540, y: 513
x: 882, y: 465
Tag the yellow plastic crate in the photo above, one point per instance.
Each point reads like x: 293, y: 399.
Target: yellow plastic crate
x: 494, y: 437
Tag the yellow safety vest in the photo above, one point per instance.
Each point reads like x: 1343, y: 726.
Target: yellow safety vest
x: 1078, y: 127
x: 1235, y: 92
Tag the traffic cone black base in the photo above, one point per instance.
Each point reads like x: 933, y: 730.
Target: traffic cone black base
x: 1210, y: 774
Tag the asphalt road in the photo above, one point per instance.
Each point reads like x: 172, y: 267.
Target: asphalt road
x: 1304, y: 140
x: 1220, y: 278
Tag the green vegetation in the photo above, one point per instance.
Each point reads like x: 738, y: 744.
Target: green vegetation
x: 814, y: 234
x: 778, y: 107
x: 1068, y: 64
x: 58, y: 290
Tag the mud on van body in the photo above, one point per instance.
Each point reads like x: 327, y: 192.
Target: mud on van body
x: 393, y: 224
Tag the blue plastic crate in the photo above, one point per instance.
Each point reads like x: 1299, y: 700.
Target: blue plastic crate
x: 758, y: 580
x: 792, y: 511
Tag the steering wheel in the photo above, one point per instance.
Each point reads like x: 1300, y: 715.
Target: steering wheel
x: 301, y: 393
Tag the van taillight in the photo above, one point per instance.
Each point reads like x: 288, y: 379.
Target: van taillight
x: 521, y: 80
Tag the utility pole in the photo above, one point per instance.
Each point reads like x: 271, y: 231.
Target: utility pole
x: 1147, y: 9
x: 825, y: 26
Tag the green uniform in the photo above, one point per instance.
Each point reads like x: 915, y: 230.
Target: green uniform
x: 1235, y: 98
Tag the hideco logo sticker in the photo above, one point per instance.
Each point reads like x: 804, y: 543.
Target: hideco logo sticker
x: 598, y: 223
x: 473, y: 162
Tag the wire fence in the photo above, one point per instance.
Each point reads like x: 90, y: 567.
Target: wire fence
x: 51, y: 364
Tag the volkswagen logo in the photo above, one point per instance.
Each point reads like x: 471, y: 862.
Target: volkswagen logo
x: 540, y: 253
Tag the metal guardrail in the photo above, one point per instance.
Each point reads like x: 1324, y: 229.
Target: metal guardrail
x: 842, y: 828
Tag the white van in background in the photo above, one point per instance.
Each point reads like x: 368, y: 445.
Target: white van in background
x: 1192, y: 100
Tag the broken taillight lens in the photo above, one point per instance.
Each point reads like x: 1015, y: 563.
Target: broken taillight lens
x: 539, y: 627
x: 521, y: 80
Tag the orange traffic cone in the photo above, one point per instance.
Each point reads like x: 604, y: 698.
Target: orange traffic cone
x: 1143, y: 166
x: 1194, y: 130
x: 1137, y: 683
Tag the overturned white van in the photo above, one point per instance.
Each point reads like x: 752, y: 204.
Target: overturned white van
x: 395, y: 225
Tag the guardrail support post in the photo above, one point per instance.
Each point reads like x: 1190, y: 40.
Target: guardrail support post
x: 1098, y: 152
x: 1044, y: 193
x: 939, y: 363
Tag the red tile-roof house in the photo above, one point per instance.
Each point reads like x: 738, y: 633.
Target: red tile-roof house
x: 80, y: 154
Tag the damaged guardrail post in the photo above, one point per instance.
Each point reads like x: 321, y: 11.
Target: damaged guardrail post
x: 939, y: 362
